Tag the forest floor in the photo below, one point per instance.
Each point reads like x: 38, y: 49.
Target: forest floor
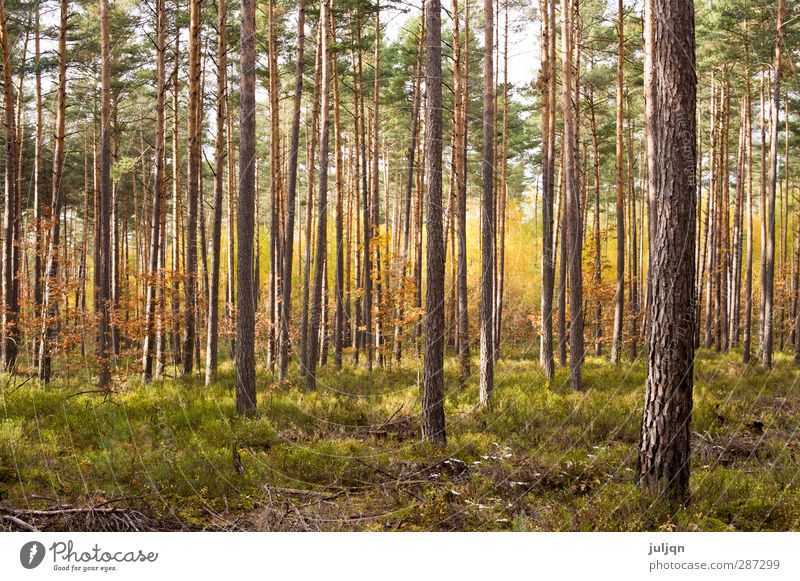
x: 173, y: 454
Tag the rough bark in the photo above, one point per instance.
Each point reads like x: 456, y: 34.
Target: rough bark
x: 433, y: 422
x: 572, y: 236
x: 103, y: 239
x: 547, y: 82
x: 245, y: 319
x: 670, y: 96
x: 193, y: 190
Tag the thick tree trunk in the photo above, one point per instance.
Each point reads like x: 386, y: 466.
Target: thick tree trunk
x: 246, y: 316
x: 193, y: 191
x: 433, y: 423
x: 670, y: 96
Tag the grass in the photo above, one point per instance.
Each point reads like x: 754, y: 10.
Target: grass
x: 349, y: 456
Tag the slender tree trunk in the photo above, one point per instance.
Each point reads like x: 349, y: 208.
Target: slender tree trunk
x: 748, y: 289
x: 322, y: 218
x: 572, y: 236
x: 193, y: 191
x: 598, y: 265
x: 38, y: 203
x: 768, y: 281
x: 50, y: 299
x: 547, y: 83
x: 375, y: 195
x: 291, y: 194
x: 9, y: 283
x: 305, y: 337
x: 619, y: 294
x: 275, y: 185
x: 245, y: 318
x: 502, y: 200
x: 219, y: 182
x: 409, y: 183
x: 487, y: 212
x: 338, y: 290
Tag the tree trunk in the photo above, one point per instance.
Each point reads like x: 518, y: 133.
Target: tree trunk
x: 748, y: 289
x: 219, y: 177
x: 288, y: 244
x: 193, y: 191
x: 409, y: 183
x: 9, y: 283
x: 38, y: 203
x: 547, y: 84
x: 338, y: 290
x: 619, y: 293
x: 487, y: 212
x: 312, y: 141
x: 50, y: 299
x: 322, y: 218
x: 246, y: 316
x: 103, y: 240
x: 670, y: 96
x: 768, y: 282
x: 572, y: 236
x: 433, y: 426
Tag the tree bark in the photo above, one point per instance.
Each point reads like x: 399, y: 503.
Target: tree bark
x: 322, y: 217
x: 670, y: 96
x: 10, y: 277
x: 487, y: 212
x: 219, y: 181
x: 548, y: 89
x: 433, y: 422
x: 291, y: 194
x: 772, y: 179
x: 193, y: 191
x: 619, y: 293
x: 50, y: 298
x: 572, y: 236
x: 245, y: 319
x: 103, y: 240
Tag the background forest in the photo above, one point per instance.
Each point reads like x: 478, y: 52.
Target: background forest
x: 178, y: 355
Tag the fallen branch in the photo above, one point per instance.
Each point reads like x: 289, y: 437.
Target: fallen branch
x: 20, y: 523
